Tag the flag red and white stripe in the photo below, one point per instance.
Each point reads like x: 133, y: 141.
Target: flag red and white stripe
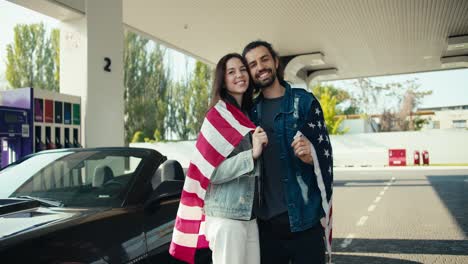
x: 222, y: 130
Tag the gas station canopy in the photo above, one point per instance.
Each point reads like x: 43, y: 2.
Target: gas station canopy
x: 316, y: 39
x: 358, y: 38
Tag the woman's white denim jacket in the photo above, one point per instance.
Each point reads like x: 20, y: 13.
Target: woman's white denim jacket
x: 232, y: 186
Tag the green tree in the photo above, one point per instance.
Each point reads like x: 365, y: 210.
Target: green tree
x: 138, y: 137
x: 180, y: 110
x: 160, y: 84
x: 369, y: 96
x: 135, y: 64
x: 199, y: 96
x: 419, y: 123
x: 146, y: 82
x: 189, y: 102
x: 33, y: 58
x: 153, y: 104
x: 396, y: 101
x: 53, y: 67
x: 372, y: 97
x: 328, y: 101
x: 342, y: 97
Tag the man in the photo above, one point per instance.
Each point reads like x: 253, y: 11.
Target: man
x: 296, y: 179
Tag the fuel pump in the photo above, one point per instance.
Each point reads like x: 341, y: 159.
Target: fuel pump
x: 66, y: 138
x: 14, y: 134
x: 76, y: 143
x: 48, y: 138
x: 58, y: 138
x: 38, y: 143
x: 32, y: 120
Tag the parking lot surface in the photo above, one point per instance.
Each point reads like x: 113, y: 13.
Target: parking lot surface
x: 400, y: 215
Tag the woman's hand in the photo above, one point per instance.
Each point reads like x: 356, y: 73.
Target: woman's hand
x: 259, y: 141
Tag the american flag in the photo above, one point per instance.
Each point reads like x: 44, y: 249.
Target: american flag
x: 222, y: 130
x: 315, y: 130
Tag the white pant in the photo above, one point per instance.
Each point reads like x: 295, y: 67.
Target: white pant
x: 233, y: 241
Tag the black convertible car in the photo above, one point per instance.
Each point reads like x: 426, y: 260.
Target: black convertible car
x: 102, y: 205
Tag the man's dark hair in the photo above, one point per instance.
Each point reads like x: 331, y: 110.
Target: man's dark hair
x: 257, y: 43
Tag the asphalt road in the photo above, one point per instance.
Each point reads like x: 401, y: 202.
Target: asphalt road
x: 400, y: 215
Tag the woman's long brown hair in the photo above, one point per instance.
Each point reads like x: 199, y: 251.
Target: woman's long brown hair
x: 220, y: 91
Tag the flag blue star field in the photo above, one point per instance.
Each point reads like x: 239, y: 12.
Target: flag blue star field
x: 315, y: 131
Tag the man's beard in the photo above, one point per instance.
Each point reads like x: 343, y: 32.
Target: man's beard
x: 265, y: 83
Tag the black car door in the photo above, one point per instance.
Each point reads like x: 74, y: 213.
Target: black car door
x: 159, y: 216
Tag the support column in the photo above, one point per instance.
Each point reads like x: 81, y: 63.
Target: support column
x: 91, y: 66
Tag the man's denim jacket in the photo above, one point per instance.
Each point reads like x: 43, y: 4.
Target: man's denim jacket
x: 299, y: 182
x: 232, y: 184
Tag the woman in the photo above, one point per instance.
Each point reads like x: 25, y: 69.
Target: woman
x: 231, y: 227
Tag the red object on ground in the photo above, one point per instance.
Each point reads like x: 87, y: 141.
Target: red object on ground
x: 425, y: 157
x: 416, y: 158
x: 397, y: 157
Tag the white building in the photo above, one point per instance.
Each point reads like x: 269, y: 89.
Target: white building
x: 447, y: 117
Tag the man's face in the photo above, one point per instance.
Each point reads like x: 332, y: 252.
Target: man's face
x: 262, y: 66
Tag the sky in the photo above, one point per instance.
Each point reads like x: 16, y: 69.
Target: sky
x: 449, y: 87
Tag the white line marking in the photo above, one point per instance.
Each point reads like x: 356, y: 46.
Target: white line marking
x: 371, y: 208
x: 377, y: 199
x: 347, y: 241
x: 385, y: 188
x: 362, y: 220
x: 382, y: 193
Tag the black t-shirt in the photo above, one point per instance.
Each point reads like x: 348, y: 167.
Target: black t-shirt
x: 273, y: 202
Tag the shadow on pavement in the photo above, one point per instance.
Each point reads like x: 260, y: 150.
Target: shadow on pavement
x: 403, y: 246
x: 351, y: 259
x: 374, y: 183
x: 453, y: 191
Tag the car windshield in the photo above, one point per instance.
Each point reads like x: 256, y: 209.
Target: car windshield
x: 91, y: 178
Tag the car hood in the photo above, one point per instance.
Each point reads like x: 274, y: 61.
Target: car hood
x: 25, y: 220
x: 28, y: 219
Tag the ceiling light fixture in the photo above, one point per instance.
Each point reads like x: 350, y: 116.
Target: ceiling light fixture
x: 296, y: 68
x: 322, y: 75
x: 458, y: 43
x: 454, y: 62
